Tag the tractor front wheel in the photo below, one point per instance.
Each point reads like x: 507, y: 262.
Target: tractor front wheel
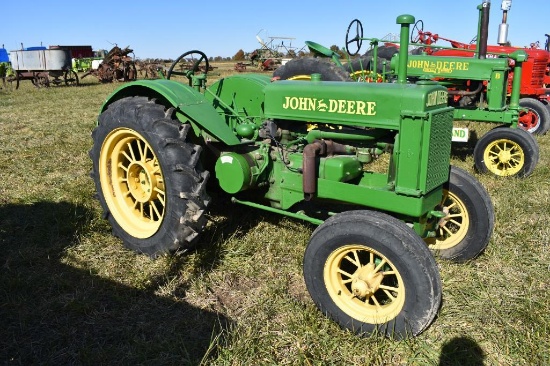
x: 535, y: 118
x: 371, y: 273
x: 506, y: 152
x: 466, y: 229
x: 148, y: 176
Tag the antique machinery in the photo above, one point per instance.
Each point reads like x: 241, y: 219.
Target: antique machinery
x: 477, y: 89
x: 311, y: 151
x: 534, y: 90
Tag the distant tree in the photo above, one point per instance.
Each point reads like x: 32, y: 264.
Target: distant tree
x: 239, y: 56
x: 339, y: 51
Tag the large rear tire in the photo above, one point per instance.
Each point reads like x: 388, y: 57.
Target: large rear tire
x: 148, y: 177
x: 371, y: 273
x: 466, y: 230
x: 302, y: 68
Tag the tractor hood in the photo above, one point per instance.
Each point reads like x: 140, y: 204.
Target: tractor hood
x: 354, y: 104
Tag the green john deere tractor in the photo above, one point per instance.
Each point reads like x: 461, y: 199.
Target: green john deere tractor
x: 477, y: 89
x: 308, y: 150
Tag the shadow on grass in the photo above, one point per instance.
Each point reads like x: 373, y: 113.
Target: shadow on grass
x: 461, y: 351
x: 52, y: 313
x: 230, y: 220
x: 461, y: 150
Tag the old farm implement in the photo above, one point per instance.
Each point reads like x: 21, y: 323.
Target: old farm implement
x: 44, y: 67
x: 117, y: 65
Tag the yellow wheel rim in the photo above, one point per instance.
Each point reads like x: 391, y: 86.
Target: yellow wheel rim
x: 504, y: 157
x: 364, y: 284
x: 366, y: 76
x: 132, y: 182
x: 300, y: 77
x: 453, y: 227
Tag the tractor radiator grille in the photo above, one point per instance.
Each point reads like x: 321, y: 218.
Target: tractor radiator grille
x: 537, y: 76
x: 437, y: 171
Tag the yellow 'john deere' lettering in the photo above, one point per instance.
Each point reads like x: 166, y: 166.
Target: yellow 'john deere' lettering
x: 342, y: 106
x: 439, y: 67
x: 436, y: 98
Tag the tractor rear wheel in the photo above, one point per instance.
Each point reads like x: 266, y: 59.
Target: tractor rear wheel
x: 371, y: 273
x: 536, y: 119
x: 361, y: 69
x: 302, y: 68
x: 466, y: 230
x: 148, y: 176
x: 506, y: 152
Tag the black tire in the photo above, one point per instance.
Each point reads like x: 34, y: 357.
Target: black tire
x: 368, y: 237
x: 162, y: 207
x: 537, y: 119
x: 506, y: 152
x: 364, y: 64
x: 302, y: 68
x: 384, y: 52
x: 466, y: 230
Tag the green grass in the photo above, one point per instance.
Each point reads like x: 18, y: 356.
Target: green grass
x: 70, y: 293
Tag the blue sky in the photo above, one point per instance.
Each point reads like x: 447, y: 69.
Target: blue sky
x: 166, y: 29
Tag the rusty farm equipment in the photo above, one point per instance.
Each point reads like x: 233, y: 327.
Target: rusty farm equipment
x: 117, y: 65
x: 44, y: 67
x: 270, y: 55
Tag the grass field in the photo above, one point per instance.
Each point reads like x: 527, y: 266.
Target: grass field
x: 71, y: 294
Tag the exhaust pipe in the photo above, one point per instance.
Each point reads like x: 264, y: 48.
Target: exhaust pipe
x: 484, y: 29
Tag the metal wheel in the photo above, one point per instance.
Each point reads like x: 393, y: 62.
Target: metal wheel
x: 130, y: 168
x: 71, y: 78
x: 371, y: 273
x: 466, y: 229
x: 364, y: 283
x: 357, y: 38
x: 535, y: 118
x: 148, y: 176
x: 41, y: 79
x: 506, y: 152
x: 454, y: 226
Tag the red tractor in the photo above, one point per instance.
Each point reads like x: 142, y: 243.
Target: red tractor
x: 535, y: 79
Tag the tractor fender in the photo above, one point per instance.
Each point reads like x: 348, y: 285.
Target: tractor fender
x: 191, y: 106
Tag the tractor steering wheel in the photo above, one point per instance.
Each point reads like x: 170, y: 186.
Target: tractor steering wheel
x: 417, y: 31
x: 358, y: 38
x: 194, y: 68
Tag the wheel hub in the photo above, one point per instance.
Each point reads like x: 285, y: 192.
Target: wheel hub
x: 366, y: 281
x: 445, y: 219
x: 504, y: 156
x: 142, y: 182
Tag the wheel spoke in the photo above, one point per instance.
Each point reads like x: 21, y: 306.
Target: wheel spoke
x: 131, y: 150
x: 459, y: 224
x: 341, y: 271
x: 155, y: 209
x: 123, y: 167
x: 390, y: 288
x: 382, y: 262
x: 127, y: 156
x: 447, y: 230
